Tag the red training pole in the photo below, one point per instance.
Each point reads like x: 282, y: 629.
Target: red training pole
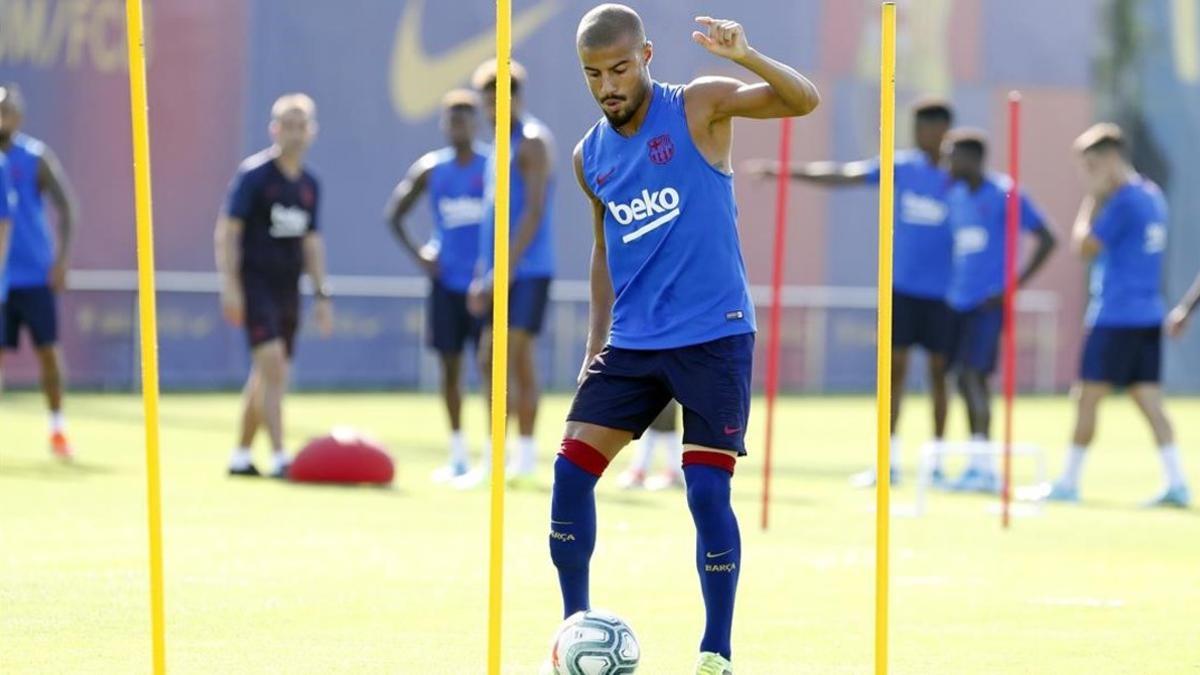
x: 781, y: 195
x: 1010, y: 292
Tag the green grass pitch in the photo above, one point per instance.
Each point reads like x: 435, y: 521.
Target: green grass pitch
x: 266, y: 577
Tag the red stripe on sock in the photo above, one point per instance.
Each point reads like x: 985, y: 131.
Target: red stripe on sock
x: 717, y: 459
x: 584, y: 456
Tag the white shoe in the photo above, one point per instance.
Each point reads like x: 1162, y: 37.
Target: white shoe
x: 711, y: 663
x: 449, y: 472
x: 473, y: 478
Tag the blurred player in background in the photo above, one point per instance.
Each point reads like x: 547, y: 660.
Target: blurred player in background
x: 37, y: 267
x: 7, y: 203
x: 922, y: 255
x: 453, y: 176
x: 977, y: 217
x: 265, y: 239
x: 1178, y: 318
x: 1121, y: 230
x: 671, y: 315
x: 531, y: 256
x: 664, y: 431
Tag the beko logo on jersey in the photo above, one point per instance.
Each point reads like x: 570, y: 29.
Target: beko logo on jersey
x: 288, y: 222
x: 661, y: 205
x: 460, y: 211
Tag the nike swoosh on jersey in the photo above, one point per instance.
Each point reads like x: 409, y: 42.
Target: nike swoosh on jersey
x: 718, y: 555
x: 418, y: 79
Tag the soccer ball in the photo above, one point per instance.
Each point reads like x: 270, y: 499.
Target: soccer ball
x: 594, y: 642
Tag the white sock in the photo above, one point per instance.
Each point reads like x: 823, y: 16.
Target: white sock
x: 939, y: 449
x: 458, y: 448
x: 645, y: 452
x: 895, y: 453
x: 526, y: 453
x: 1074, y: 468
x: 280, y: 460
x: 1172, y: 466
x: 981, y: 458
x: 58, y: 423
x: 241, y: 458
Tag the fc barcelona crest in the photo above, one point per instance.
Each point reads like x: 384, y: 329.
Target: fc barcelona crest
x: 662, y: 149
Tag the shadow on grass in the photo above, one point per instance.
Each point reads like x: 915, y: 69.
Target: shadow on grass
x: 52, y: 469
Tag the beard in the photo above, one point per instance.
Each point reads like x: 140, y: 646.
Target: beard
x: 621, y: 117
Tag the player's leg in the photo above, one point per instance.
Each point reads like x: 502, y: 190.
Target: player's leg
x: 450, y: 328
x: 242, y: 462
x: 940, y: 398
x: 611, y: 407
x: 978, y: 352
x: 664, y: 431
x: 711, y: 381
x: 1147, y: 393
x: 9, y: 336
x: 530, y: 299
x: 41, y: 315
x: 271, y: 361
x: 526, y: 397
x: 937, y: 340
x: 905, y: 333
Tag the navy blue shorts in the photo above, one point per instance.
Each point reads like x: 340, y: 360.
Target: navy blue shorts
x: 1122, y: 356
x: 272, y: 313
x: 976, y: 338
x: 527, y: 302
x: 924, y: 322
x: 451, y: 326
x: 35, y: 308
x: 627, y: 388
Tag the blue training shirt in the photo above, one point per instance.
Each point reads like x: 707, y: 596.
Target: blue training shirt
x: 538, y: 260
x: 1126, y: 276
x: 276, y: 213
x: 670, y: 226
x: 923, y: 247
x: 8, y: 200
x: 456, y: 198
x: 31, y: 249
x: 977, y: 221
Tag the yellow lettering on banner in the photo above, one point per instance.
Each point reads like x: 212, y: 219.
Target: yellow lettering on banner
x: 69, y: 34
x: 107, y: 37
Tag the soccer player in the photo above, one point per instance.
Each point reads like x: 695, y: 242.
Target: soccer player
x: 664, y: 431
x: 671, y: 314
x: 922, y: 263
x: 7, y: 198
x: 1121, y: 229
x: 265, y: 238
x: 531, y: 256
x: 37, y: 267
x: 977, y: 218
x: 453, y: 176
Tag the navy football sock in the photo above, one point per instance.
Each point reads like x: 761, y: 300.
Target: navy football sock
x: 718, y: 550
x: 573, y: 520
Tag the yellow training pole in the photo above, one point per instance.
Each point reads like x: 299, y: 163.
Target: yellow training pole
x: 500, y: 329
x: 148, y: 326
x: 883, y: 346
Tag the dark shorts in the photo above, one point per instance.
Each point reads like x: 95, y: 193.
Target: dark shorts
x: 527, y: 302
x: 34, y: 308
x: 924, y: 322
x: 451, y: 326
x: 627, y: 388
x: 1122, y: 356
x: 272, y: 313
x: 975, y: 338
